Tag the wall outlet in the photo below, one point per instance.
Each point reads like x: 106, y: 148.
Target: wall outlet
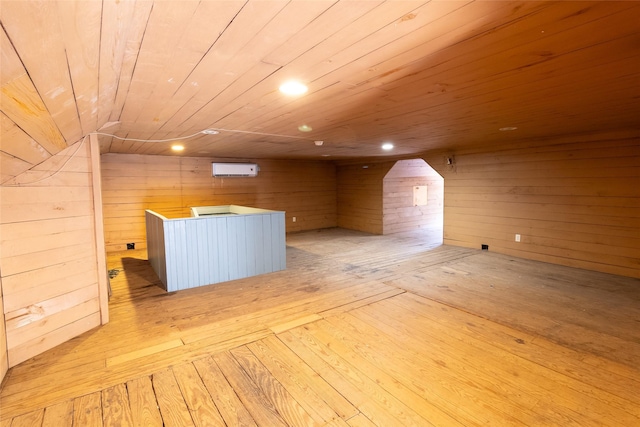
x: 517, y: 237
x: 294, y: 219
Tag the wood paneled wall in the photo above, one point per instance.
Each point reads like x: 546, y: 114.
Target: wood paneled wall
x: 399, y: 213
x: 170, y: 185
x: 4, y: 358
x: 574, y: 201
x: 48, y: 256
x: 360, y: 196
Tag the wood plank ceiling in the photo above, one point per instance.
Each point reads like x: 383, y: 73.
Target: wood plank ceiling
x: 422, y: 75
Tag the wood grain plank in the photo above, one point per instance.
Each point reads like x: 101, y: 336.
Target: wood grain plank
x: 436, y: 411
x: 260, y: 407
x: 287, y: 406
x: 360, y: 420
x: 231, y: 408
x: 60, y: 414
x: 337, y: 373
x: 294, y: 323
x: 143, y: 403
x: 339, y: 403
x: 146, y: 351
x: 115, y: 407
x: 87, y: 410
x: 172, y: 406
x: 30, y: 419
x: 288, y: 372
x: 203, y: 409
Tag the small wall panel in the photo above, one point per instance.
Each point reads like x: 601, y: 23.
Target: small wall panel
x: 156, y: 244
x: 574, y: 201
x: 170, y: 185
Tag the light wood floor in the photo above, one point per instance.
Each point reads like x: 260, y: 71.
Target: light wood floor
x: 360, y: 330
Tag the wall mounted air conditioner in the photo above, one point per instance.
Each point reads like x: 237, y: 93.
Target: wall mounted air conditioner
x: 234, y: 169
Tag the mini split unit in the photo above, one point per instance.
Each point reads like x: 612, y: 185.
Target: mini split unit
x: 234, y: 169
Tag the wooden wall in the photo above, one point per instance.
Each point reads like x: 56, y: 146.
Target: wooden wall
x: 360, y: 188
x: 4, y: 358
x: 48, y: 259
x: 574, y: 201
x: 399, y: 213
x: 170, y: 185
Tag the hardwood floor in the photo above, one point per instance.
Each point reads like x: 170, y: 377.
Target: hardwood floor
x: 360, y: 330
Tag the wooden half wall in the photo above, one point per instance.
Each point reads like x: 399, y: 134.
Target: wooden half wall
x: 170, y: 185
x: 49, y: 261
x: 573, y: 201
x: 199, y: 251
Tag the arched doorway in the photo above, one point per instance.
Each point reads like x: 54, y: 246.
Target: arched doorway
x: 413, y: 200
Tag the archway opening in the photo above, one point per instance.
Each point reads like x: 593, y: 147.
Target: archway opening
x: 413, y: 200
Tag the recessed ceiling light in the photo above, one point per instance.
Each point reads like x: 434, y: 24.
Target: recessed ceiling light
x: 177, y: 147
x: 305, y: 128
x: 210, y: 132
x: 387, y: 146
x: 508, y: 128
x: 293, y: 88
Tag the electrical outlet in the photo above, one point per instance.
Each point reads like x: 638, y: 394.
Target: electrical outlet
x: 517, y: 237
x: 294, y: 219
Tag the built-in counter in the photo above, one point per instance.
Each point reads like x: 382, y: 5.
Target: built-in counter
x: 216, y: 244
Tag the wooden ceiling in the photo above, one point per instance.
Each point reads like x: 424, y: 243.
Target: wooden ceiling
x: 422, y: 75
